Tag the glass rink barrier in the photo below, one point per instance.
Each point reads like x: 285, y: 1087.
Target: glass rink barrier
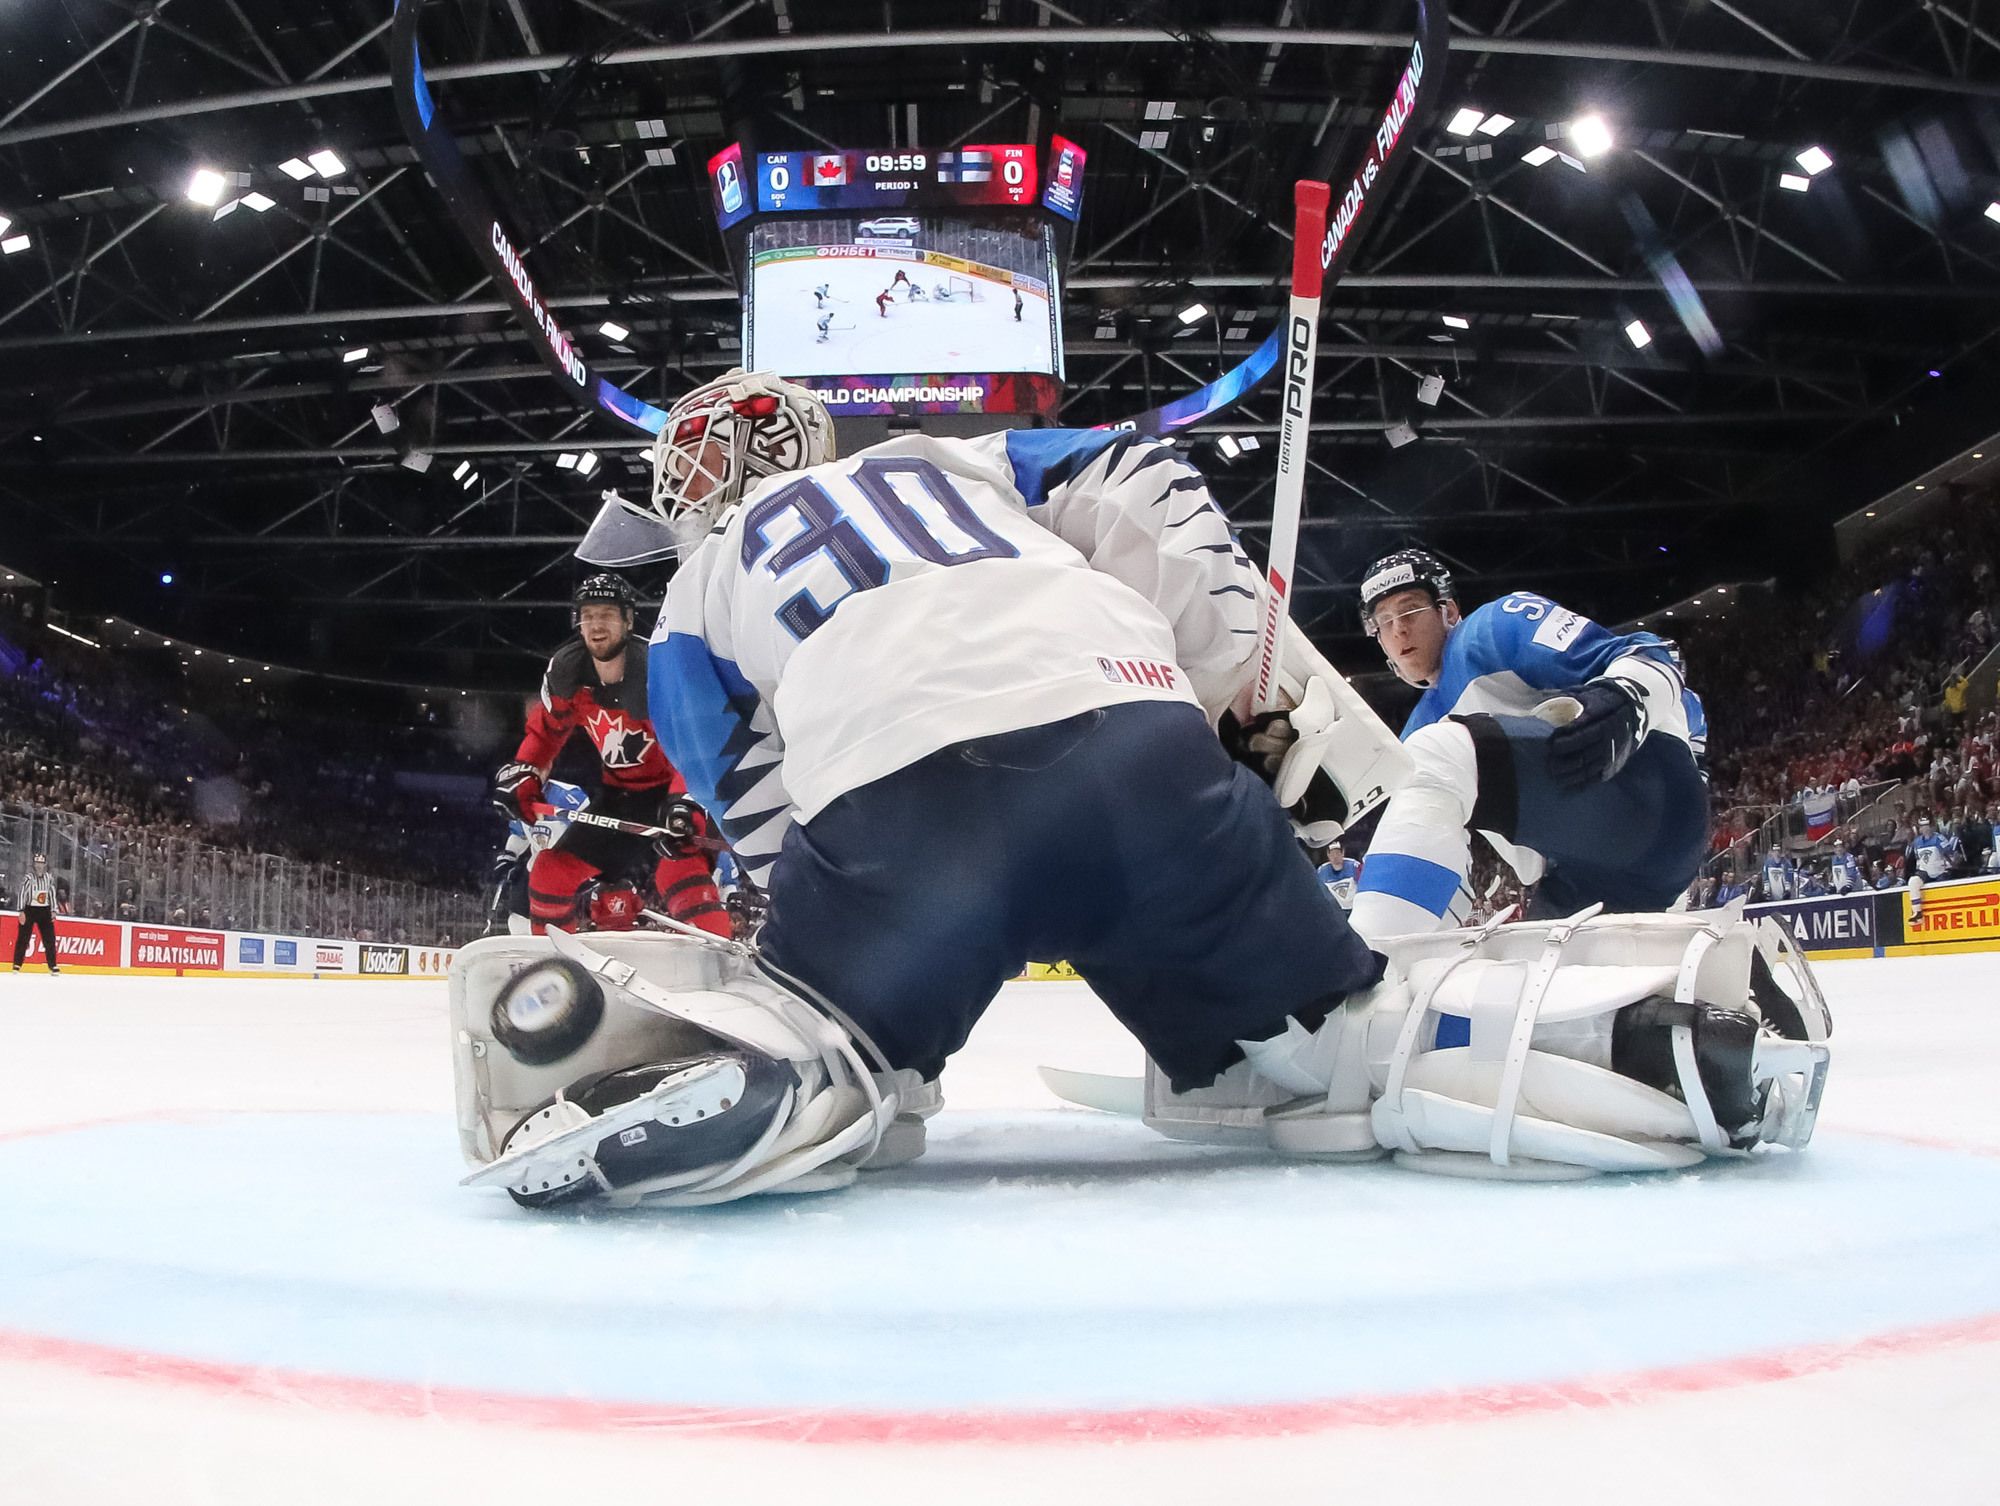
x: 116, y: 873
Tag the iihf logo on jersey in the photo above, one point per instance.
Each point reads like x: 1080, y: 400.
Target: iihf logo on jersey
x: 1148, y: 672
x: 619, y: 744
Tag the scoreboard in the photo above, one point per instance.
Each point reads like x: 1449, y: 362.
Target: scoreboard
x: 895, y: 179
x: 1004, y: 175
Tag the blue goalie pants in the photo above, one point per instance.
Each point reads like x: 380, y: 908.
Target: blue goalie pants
x: 1123, y: 840
x: 1633, y: 843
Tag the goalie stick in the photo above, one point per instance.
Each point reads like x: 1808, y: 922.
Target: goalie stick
x: 1322, y: 245
x: 1414, y: 100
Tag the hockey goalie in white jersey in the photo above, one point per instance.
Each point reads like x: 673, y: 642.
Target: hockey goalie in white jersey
x: 954, y: 704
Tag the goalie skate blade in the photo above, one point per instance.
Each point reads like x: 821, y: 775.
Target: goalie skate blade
x: 1096, y: 1090
x: 1323, y: 1137
x: 1458, y: 1163
x: 566, y: 1157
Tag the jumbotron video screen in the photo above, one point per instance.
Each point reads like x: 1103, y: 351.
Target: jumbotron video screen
x: 905, y: 281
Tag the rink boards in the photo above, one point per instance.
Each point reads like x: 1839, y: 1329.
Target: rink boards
x: 1959, y: 915
x: 129, y: 947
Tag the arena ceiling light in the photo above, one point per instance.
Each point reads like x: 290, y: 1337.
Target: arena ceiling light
x: 1456, y: 321
x: 1814, y: 160
x: 1794, y: 182
x: 611, y: 329
x: 586, y: 462
x: 206, y: 187
x: 1193, y: 312
x: 1495, y: 123
x: 1228, y: 445
x: 258, y: 202
x: 1590, y: 135
x: 1465, y: 122
x: 295, y: 169
x: 386, y: 418
x: 458, y: 474
x: 470, y: 482
x: 4, y: 223
x: 1538, y: 155
x: 12, y: 244
x: 326, y: 164
x: 1638, y: 334
x: 1993, y: 211
x: 566, y: 461
x: 349, y: 357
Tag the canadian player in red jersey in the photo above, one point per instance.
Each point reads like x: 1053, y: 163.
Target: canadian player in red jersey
x: 596, y: 683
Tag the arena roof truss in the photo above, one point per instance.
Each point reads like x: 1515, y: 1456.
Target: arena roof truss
x: 1698, y: 279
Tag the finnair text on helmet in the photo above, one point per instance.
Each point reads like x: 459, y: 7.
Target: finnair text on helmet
x: 1387, y: 134
x: 559, y: 344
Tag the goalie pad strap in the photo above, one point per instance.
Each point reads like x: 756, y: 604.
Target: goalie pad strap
x: 1525, y: 1016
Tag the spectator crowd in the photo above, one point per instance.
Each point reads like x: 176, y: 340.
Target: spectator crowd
x: 156, y: 782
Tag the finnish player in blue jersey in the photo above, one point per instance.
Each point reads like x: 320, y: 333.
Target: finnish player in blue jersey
x: 1574, y: 750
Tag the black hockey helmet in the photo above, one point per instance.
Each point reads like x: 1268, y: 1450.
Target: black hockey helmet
x: 603, y: 587
x: 1404, y: 570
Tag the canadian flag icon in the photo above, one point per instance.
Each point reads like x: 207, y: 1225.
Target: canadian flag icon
x: 830, y: 168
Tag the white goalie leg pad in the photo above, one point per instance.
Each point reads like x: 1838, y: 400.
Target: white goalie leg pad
x: 1338, y: 732
x: 1673, y: 1001
x: 827, y: 1109
x: 1598, y: 1043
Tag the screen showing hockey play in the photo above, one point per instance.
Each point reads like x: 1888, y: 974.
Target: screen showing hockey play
x: 903, y: 309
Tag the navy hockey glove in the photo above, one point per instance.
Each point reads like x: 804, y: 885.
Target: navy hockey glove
x: 1591, y: 748
x: 517, y: 790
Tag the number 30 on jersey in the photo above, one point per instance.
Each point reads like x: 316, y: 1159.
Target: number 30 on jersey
x: 803, y: 520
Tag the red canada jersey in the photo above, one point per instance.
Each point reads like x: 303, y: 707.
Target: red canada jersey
x: 613, y: 717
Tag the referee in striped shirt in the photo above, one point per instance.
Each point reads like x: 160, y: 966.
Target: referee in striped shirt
x: 38, y: 911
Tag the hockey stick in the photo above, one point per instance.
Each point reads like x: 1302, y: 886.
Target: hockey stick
x: 1415, y: 97
x: 495, y: 245
x: 1294, y: 432
x: 635, y: 828
x: 1320, y: 253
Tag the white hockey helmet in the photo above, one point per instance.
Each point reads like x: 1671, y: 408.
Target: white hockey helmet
x: 719, y: 437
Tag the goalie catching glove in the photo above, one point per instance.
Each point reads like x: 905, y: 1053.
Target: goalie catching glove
x: 663, y: 1069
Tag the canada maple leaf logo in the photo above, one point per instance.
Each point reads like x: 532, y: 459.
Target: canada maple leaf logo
x: 620, y: 744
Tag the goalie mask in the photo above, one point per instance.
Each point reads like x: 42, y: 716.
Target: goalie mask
x: 720, y: 438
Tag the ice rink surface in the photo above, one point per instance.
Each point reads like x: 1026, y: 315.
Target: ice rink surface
x: 235, y: 1267
x: 912, y: 339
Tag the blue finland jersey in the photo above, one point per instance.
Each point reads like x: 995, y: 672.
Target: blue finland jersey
x: 1778, y: 877
x: 1933, y: 855
x: 1511, y: 654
